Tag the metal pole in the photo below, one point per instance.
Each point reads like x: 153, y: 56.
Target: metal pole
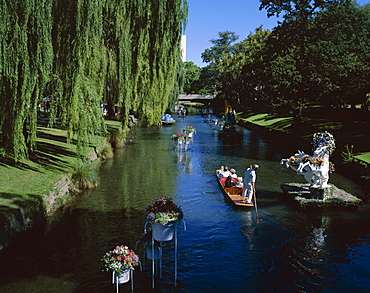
x: 160, y: 260
x: 176, y: 255
x: 153, y: 260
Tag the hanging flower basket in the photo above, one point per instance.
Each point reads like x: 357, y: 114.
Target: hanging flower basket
x: 164, y: 232
x: 189, y: 129
x: 164, y: 215
x: 121, y: 278
x: 179, y: 136
x: 163, y: 210
x: 120, y: 259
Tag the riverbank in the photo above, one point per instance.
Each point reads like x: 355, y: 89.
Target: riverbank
x: 35, y: 188
x: 349, y: 127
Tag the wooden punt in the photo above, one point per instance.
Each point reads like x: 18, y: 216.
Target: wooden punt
x: 230, y: 131
x: 232, y: 194
x: 170, y: 122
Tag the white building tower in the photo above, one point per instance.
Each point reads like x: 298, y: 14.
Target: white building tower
x: 183, y: 48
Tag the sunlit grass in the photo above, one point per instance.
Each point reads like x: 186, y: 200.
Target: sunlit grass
x: 346, y: 131
x: 53, y: 159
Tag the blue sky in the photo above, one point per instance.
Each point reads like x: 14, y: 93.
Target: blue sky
x: 209, y: 17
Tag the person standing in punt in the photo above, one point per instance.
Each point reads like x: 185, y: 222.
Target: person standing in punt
x: 249, y: 183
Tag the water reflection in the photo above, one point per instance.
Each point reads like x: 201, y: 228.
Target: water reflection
x: 249, y: 220
x: 316, y: 242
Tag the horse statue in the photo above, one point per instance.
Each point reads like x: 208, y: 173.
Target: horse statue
x: 315, y: 168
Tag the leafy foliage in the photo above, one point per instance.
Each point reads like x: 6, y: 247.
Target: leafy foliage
x: 85, y: 176
x: 192, y: 74
x: 124, y: 52
x: 318, y: 54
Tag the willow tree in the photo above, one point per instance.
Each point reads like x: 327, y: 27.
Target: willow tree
x: 26, y: 59
x: 62, y: 43
x: 117, y: 40
x: 156, y: 34
x: 80, y: 59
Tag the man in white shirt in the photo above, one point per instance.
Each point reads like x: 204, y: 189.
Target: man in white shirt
x: 249, y: 186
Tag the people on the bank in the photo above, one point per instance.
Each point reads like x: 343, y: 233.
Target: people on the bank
x: 249, y: 183
x: 224, y: 172
x: 233, y: 173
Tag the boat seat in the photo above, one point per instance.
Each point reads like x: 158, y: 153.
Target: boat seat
x: 234, y: 190
x: 223, y: 179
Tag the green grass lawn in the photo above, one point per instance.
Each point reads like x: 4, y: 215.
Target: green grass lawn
x: 53, y: 159
x: 349, y: 127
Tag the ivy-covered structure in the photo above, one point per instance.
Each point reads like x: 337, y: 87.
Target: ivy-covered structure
x: 123, y: 52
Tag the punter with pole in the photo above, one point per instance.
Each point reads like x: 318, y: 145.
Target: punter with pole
x: 249, y: 186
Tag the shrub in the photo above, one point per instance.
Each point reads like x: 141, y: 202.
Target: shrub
x: 85, y: 176
x: 106, y: 152
x: 347, y: 154
x: 117, y: 138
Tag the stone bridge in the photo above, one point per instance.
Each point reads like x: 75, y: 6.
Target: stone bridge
x: 195, y: 98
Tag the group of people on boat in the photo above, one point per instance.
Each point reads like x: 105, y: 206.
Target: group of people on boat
x: 228, y: 120
x: 248, y: 184
x: 230, y: 116
x: 231, y: 179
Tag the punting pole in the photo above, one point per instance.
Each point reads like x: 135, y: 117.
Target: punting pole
x: 255, y: 203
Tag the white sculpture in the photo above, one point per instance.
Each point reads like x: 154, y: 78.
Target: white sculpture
x: 315, y: 168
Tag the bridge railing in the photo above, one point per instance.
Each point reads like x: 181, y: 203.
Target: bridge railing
x: 183, y: 97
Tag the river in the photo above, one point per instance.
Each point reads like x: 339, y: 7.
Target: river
x: 222, y: 249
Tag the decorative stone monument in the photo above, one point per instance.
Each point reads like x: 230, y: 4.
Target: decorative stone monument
x: 316, y: 169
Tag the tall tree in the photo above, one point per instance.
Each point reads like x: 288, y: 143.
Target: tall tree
x: 213, y: 56
x: 237, y: 84
x: 341, y: 54
x: 192, y: 74
x: 26, y: 59
x: 325, y: 61
x: 128, y: 51
x: 296, y: 9
x: 78, y: 26
x: 291, y: 76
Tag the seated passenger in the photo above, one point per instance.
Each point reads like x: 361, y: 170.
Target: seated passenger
x: 233, y: 173
x: 228, y: 182
x: 239, y: 182
x: 224, y: 172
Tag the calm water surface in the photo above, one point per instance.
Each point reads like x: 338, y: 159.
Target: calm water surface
x: 222, y: 249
